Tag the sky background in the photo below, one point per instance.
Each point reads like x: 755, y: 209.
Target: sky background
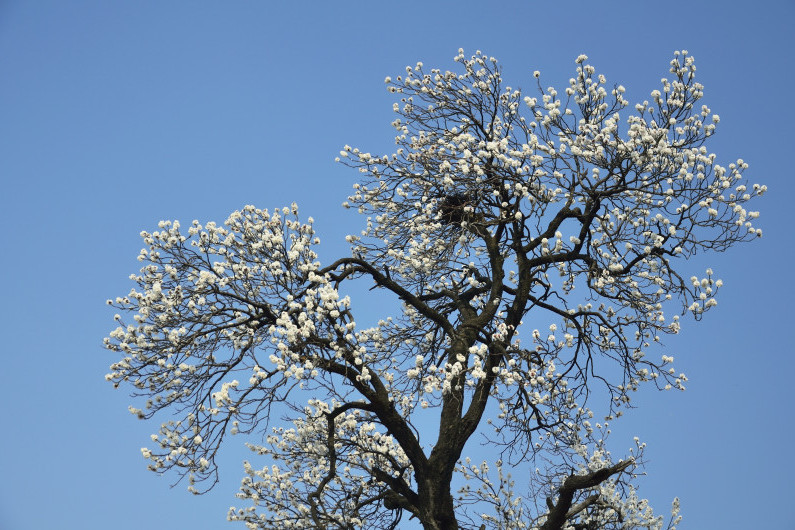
x: 115, y: 115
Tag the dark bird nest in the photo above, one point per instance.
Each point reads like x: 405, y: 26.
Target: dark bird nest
x: 453, y: 208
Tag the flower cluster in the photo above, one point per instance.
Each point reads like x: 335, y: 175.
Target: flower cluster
x: 209, y: 304
x: 320, y: 481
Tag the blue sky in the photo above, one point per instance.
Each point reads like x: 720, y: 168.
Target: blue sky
x: 115, y: 115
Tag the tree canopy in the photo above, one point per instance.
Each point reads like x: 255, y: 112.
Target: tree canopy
x: 535, y: 245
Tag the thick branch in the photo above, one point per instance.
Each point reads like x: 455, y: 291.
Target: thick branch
x: 560, y: 512
x: 385, y: 281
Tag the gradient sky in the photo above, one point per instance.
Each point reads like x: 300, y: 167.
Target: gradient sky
x: 115, y: 115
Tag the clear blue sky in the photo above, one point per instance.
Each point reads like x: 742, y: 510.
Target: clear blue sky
x: 114, y: 115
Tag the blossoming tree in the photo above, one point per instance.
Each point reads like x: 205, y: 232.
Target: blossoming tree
x: 573, y: 213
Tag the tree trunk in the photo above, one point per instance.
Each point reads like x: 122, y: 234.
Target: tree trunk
x: 436, y: 504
